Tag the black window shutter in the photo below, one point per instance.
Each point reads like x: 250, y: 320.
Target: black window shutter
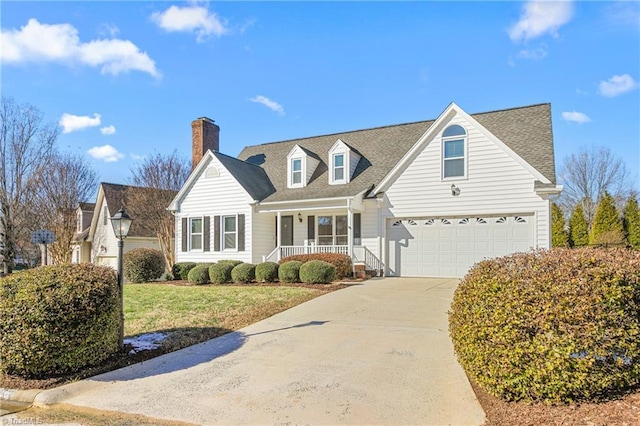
x: 206, y: 233
x: 185, y: 234
x: 216, y: 233
x: 356, y: 225
x: 240, y: 232
x: 311, y: 227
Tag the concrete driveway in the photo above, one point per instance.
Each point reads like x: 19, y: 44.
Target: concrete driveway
x: 377, y: 353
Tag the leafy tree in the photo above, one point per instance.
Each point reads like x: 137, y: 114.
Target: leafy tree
x: 559, y: 237
x: 160, y: 178
x: 26, y: 142
x: 632, y: 222
x: 578, y: 228
x: 590, y: 172
x: 607, y: 227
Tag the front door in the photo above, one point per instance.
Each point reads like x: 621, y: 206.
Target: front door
x: 287, y: 230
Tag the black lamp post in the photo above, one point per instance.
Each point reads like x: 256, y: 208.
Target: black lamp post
x: 121, y: 223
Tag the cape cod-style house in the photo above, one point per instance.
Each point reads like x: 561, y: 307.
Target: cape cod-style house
x: 429, y: 198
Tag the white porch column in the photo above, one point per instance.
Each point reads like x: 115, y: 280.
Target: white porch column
x: 279, y: 229
x: 349, y: 228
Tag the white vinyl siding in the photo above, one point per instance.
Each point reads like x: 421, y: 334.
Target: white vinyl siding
x: 495, y: 184
x: 219, y: 196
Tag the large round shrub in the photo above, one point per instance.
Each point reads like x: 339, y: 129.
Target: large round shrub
x: 342, y: 262
x: 317, y: 272
x: 231, y: 261
x: 181, y: 270
x: 558, y: 325
x: 143, y: 264
x: 220, y: 273
x: 199, y: 274
x: 243, y: 273
x: 266, y: 272
x: 58, y: 319
x: 289, y: 272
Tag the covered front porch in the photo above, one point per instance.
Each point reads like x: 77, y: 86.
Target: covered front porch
x: 331, y: 226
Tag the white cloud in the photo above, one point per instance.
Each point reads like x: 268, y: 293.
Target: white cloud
x: 576, y: 117
x: 533, y: 54
x: 193, y: 18
x: 73, y: 123
x: 108, y: 130
x: 617, y: 85
x: 138, y: 157
x: 541, y: 17
x: 36, y: 42
x: 108, y: 29
x: 272, y: 105
x: 106, y: 153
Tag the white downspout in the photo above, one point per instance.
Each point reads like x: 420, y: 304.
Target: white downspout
x: 350, y: 234
x: 380, y: 245
x: 279, y: 232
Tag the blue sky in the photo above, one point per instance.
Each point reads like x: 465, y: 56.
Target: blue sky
x: 125, y: 79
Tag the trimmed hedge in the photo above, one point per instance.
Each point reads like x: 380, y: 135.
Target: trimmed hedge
x: 58, y: 319
x: 289, y: 272
x: 243, y: 273
x: 266, y: 272
x: 231, y: 261
x: 143, y: 264
x: 317, y: 272
x: 199, y: 274
x: 342, y: 262
x: 181, y: 270
x: 558, y: 325
x: 220, y: 272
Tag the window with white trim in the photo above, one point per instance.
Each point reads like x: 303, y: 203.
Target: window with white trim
x: 454, y: 146
x: 296, y: 171
x: 333, y: 230
x: 195, y: 233
x: 338, y: 168
x: 229, y: 233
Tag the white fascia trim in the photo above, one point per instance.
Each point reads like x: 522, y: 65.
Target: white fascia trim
x: 555, y: 190
x: 96, y: 214
x: 175, y: 203
x: 308, y: 200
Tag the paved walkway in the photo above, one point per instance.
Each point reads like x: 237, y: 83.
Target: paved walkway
x: 377, y: 353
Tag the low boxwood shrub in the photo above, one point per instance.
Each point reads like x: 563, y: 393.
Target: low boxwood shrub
x: 231, y: 261
x: 243, y: 273
x: 199, y: 274
x: 342, y: 262
x: 220, y: 272
x: 181, y: 270
x: 143, y: 265
x: 58, y: 319
x: 266, y: 272
x: 289, y: 272
x: 317, y: 272
x: 558, y: 325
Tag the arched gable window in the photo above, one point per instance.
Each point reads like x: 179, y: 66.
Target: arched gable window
x: 454, y: 150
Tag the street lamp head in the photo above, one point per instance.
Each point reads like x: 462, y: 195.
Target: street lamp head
x: 121, y: 223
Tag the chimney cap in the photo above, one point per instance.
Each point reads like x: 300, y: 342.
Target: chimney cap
x: 205, y: 119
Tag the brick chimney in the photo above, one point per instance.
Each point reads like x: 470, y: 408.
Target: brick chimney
x: 205, y: 134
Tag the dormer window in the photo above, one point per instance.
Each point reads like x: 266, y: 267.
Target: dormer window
x: 296, y: 172
x: 338, y: 168
x: 454, y: 148
x: 343, y: 161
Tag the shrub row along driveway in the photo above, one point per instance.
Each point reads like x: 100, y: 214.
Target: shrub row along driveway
x: 375, y: 353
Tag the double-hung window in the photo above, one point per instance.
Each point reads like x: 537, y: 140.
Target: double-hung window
x: 338, y: 168
x: 229, y: 233
x: 296, y: 171
x: 332, y: 230
x: 195, y: 233
x: 454, y: 145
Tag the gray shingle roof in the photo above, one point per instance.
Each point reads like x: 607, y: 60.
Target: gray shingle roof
x: 253, y: 178
x: 526, y: 130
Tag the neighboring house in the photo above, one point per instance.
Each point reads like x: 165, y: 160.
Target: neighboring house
x: 81, y: 247
x: 104, y: 245
x: 420, y: 199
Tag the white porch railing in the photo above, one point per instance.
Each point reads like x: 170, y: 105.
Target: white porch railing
x: 360, y: 254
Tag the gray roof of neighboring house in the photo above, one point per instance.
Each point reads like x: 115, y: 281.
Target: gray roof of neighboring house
x: 526, y: 130
x: 117, y: 196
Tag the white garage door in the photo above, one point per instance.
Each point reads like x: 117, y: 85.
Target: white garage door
x: 448, y: 247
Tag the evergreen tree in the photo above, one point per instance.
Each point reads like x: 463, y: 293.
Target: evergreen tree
x: 632, y: 222
x: 559, y: 237
x: 578, y: 227
x: 607, y: 227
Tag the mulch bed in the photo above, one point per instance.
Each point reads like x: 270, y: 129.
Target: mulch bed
x: 623, y: 411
